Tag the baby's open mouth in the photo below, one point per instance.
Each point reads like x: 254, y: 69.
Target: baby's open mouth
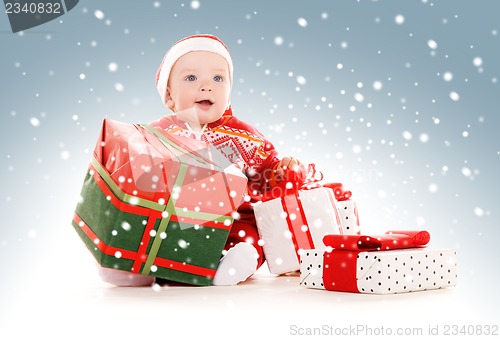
x: 205, y: 102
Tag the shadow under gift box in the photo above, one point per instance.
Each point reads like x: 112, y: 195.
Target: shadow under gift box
x: 157, y: 204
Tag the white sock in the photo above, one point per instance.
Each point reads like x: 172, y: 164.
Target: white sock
x: 123, y: 278
x: 239, y: 263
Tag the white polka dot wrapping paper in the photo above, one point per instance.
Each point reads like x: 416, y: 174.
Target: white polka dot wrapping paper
x: 388, y: 272
x: 294, y: 223
x: 349, y: 218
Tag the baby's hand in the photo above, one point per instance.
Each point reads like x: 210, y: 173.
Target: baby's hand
x: 289, y: 163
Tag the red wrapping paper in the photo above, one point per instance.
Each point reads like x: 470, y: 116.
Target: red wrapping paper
x: 145, y: 191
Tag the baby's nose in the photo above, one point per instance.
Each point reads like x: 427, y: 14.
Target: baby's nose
x: 206, y: 86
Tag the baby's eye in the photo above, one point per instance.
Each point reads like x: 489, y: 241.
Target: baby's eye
x: 191, y: 78
x: 217, y: 78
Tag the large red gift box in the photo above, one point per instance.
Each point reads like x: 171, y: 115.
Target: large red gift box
x: 157, y: 204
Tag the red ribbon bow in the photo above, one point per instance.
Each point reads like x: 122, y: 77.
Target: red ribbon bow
x: 297, y: 180
x: 389, y: 241
x: 338, y: 190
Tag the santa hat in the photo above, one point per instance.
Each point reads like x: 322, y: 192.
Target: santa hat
x: 199, y: 42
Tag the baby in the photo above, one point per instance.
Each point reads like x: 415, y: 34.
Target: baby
x: 194, y: 81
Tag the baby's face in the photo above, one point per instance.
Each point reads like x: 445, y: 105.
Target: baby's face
x: 199, y: 87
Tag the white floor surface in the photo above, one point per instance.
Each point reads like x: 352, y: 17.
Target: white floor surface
x: 69, y: 301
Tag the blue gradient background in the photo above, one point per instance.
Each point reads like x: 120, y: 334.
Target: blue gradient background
x: 448, y: 184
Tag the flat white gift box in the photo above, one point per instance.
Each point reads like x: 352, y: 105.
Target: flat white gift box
x: 388, y: 272
x: 322, y: 216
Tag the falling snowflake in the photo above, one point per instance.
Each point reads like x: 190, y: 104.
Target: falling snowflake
x: 113, y: 67
x: 377, y: 85
x: 182, y: 243
x: 278, y: 40
x: 478, y: 211
x: 424, y: 137
x: 99, y: 14
x: 302, y: 22
x: 301, y: 80
x: 454, y: 96
x: 359, y: 97
x: 399, y: 19
x: 119, y: 87
x: 195, y: 4
x: 65, y: 155
x: 432, y: 44
x: 466, y: 171
x: 433, y: 188
x: 407, y: 135
x: 126, y: 226
x: 35, y: 122
x: 447, y: 76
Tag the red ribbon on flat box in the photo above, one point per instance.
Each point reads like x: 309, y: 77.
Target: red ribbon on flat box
x: 339, y: 264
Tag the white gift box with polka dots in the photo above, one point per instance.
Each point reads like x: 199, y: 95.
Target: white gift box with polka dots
x: 388, y: 272
x: 348, y: 213
x: 324, y: 215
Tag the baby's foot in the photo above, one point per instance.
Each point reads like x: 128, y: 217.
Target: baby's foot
x: 123, y: 278
x: 239, y: 263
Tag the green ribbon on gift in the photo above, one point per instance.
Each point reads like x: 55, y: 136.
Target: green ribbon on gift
x: 136, y: 201
x: 170, y: 209
x: 167, y: 210
x: 122, y: 196
x: 177, y: 150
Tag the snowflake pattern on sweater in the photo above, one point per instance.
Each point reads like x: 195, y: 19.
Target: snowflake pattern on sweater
x: 241, y: 143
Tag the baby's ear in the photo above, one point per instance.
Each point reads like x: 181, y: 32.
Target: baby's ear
x: 168, y: 100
